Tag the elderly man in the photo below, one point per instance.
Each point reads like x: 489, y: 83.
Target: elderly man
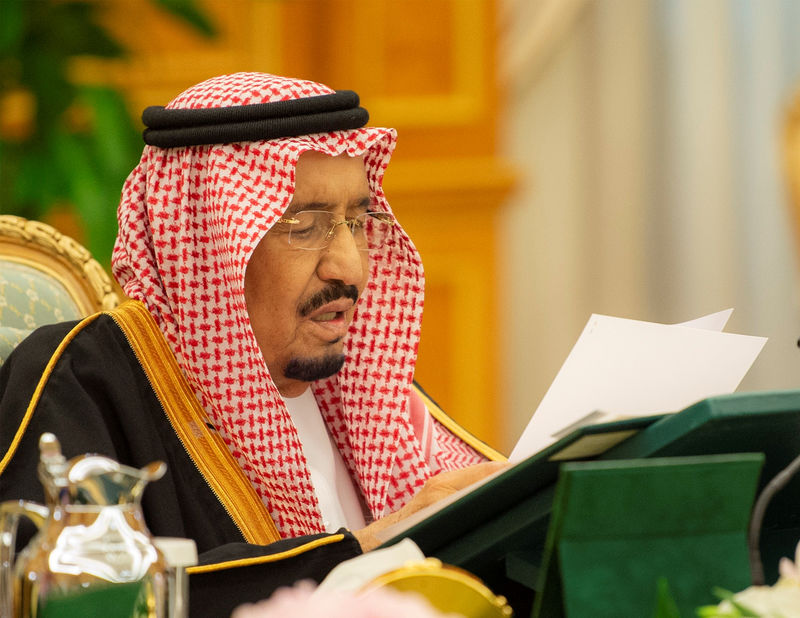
x: 268, y: 353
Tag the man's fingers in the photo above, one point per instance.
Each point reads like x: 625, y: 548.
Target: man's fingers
x: 446, y: 483
x: 458, y: 479
x: 435, y: 488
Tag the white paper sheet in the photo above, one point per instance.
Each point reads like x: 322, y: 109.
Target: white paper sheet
x: 629, y: 368
x: 355, y: 573
x: 713, y: 321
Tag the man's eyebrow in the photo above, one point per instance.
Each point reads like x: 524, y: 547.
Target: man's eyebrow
x: 298, y: 206
x: 364, y: 202
x: 294, y: 207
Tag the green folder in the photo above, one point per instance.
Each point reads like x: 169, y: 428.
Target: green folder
x: 765, y: 422
x: 618, y: 527
x: 498, y: 531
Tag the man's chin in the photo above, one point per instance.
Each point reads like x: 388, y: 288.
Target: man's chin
x: 312, y: 369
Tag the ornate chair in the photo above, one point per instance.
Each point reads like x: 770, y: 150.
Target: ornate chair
x: 45, y: 277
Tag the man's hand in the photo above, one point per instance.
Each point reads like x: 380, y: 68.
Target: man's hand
x: 435, y: 488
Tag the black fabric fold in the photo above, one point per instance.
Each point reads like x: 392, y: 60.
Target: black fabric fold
x: 169, y: 128
x: 271, y: 128
x: 159, y: 117
x: 99, y: 400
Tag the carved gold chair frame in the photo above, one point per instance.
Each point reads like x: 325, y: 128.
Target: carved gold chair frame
x: 42, y: 247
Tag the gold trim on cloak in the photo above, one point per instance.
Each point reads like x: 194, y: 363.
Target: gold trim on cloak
x: 457, y: 430
x: 284, y: 555
x: 205, y: 447
x: 37, y: 393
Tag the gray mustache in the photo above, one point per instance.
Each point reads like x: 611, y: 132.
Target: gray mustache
x: 332, y: 292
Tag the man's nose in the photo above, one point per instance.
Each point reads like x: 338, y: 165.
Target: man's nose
x: 342, y: 260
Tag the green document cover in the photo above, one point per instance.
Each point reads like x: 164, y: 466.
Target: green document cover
x: 765, y: 422
x: 498, y: 530
x: 620, y: 526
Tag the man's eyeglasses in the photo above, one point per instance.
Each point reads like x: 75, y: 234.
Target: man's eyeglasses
x: 315, y: 229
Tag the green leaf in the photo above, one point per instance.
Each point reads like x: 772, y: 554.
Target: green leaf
x: 72, y: 29
x: 44, y: 74
x: 665, y: 603
x: 86, y: 169
x: 12, y: 21
x: 115, y: 142
x: 86, y: 191
x: 191, y: 14
x: 741, y: 610
x: 37, y: 185
x: 710, y: 611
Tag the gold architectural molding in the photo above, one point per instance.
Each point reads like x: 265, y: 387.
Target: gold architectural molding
x: 791, y: 160
x: 465, y: 100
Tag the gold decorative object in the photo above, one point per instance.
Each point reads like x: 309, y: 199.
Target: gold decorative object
x: 41, y: 246
x: 447, y: 588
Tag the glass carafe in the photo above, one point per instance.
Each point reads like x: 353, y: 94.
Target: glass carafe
x: 93, y: 554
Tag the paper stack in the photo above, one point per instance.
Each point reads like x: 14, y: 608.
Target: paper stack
x: 622, y: 368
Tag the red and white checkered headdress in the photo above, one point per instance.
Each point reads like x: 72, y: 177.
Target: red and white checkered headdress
x: 189, y: 220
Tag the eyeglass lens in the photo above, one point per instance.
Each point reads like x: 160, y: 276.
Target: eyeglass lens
x: 315, y: 229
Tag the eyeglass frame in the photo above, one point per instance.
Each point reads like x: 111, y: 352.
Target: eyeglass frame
x: 350, y: 222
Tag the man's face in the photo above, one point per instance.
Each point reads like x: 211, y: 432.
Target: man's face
x: 301, y: 302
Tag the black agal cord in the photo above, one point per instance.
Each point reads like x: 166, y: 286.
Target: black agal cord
x: 169, y: 128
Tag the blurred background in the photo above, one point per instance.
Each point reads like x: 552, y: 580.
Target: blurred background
x: 556, y: 158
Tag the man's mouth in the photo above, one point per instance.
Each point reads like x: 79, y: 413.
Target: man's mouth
x: 328, y: 312
x: 327, y: 316
x: 331, y: 311
x: 331, y: 321
x: 329, y: 299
